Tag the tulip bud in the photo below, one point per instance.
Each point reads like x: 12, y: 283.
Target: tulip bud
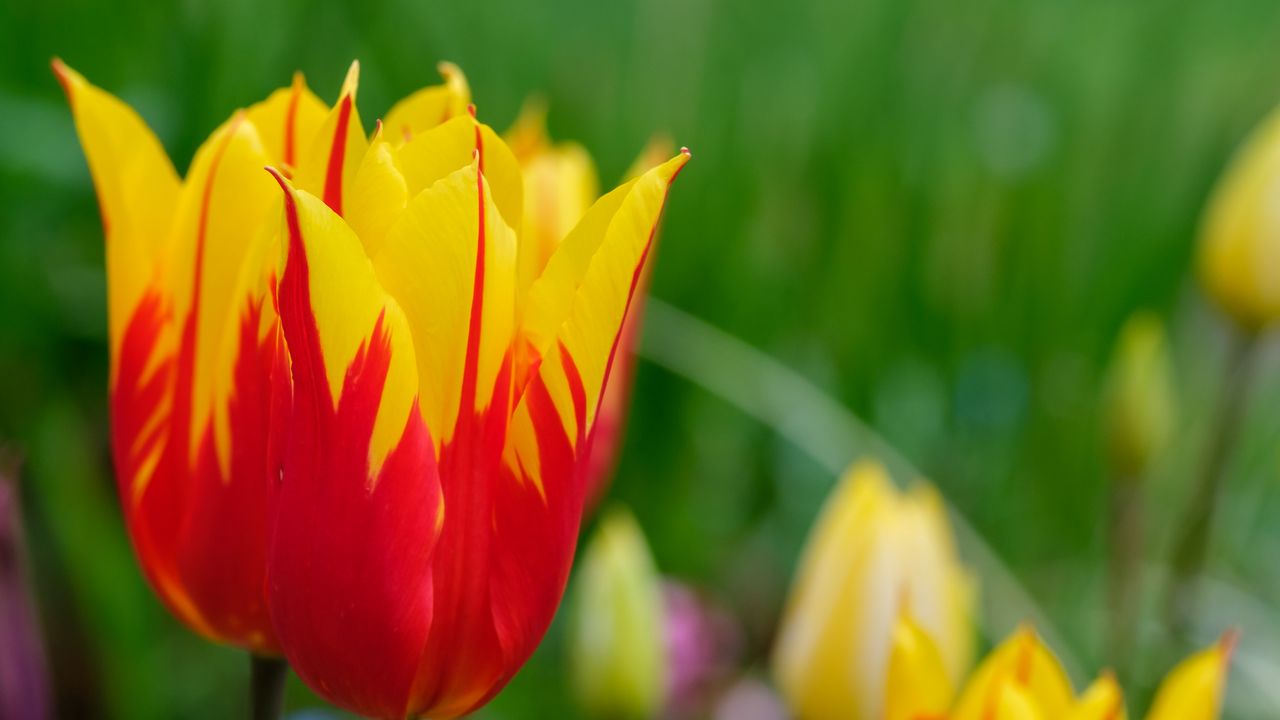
x: 1194, y: 689
x: 1240, y: 238
x: 875, y: 552
x: 1138, y: 405
x: 617, y: 658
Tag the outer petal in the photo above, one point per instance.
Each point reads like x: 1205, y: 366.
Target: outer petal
x: 199, y: 519
x: 1194, y: 690
x: 288, y: 120
x: 1022, y: 662
x: 581, y: 300
x: 429, y: 106
x: 358, y: 507
x: 918, y: 685
x: 1102, y: 701
x: 138, y: 192
x: 823, y: 662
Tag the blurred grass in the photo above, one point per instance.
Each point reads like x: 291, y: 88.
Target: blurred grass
x: 938, y: 212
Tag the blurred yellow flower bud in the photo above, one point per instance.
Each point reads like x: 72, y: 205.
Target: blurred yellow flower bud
x: 1194, y: 689
x: 1024, y: 664
x: 1239, y: 255
x: 1138, y: 406
x: 873, y: 554
x: 616, y: 655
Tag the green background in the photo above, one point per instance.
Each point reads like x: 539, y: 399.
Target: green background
x: 938, y: 213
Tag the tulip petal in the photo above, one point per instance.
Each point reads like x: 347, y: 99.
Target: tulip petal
x: 1195, y: 688
x: 137, y: 191
x: 450, y: 261
x: 917, y: 685
x: 287, y: 121
x: 378, y: 196
x: 1102, y: 701
x: 429, y: 106
x: 328, y: 167
x: 441, y: 150
x: 359, y: 504
x: 582, y: 298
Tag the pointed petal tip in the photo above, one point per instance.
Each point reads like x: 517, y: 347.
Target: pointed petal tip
x: 352, y: 81
x: 280, y: 178
x: 1228, y: 643
x: 448, y: 70
x: 66, y: 76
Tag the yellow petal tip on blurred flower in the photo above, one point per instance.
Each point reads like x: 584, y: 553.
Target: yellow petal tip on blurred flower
x: 874, y: 553
x: 1194, y: 689
x: 1239, y: 247
x: 616, y: 642
x: 918, y: 685
x: 1103, y: 700
x: 1138, y: 404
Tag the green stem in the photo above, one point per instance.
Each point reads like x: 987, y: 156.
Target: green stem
x: 266, y: 686
x: 1197, y: 524
x: 1126, y: 530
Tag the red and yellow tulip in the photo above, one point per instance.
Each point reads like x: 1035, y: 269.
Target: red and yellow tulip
x: 441, y: 410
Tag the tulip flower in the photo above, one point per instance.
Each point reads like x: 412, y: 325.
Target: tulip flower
x: 440, y: 413
x: 617, y: 655
x: 1239, y: 246
x: 193, y: 341
x: 875, y: 553
x: 1022, y: 680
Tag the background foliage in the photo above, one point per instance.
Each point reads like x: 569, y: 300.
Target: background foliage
x: 938, y: 212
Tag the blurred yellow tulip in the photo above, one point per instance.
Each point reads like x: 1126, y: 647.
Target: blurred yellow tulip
x: 617, y: 654
x: 1239, y: 255
x: 873, y: 554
